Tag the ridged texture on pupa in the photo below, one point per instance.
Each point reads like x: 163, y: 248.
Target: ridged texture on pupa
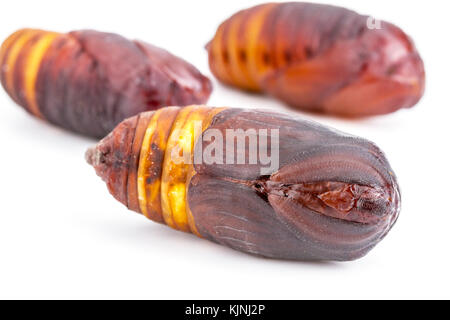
x: 319, y: 58
x: 88, y: 81
x: 332, y: 197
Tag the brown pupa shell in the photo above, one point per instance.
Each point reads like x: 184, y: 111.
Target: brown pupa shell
x: 319, y: 58
x: 332, y: 196
x: 88, y: 81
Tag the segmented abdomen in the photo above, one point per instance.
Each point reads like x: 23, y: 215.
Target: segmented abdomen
x: 146, y: 177
x: 20, y: 58
x: 89, y: 81
x: 318, y: 57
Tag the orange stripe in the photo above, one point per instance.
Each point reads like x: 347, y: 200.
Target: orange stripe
x: 162, y: 184
x: 6, y: 45
x: 12, y: 58
x: 219, y: 53
x: 132, y: 189
x: 173, y: 190
x: 31, y: 69
x: 143, y: 171
x: 236, y: 66
x: 175, y: 170
x: 255, y: 46
x: 155, y: 161
x: 206, y: 123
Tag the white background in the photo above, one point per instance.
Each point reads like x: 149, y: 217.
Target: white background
x: 63, y: 236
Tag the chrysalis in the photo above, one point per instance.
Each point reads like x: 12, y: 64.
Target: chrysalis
x: 89, y: 81
x: 319, y: 58
x: 323, y: 195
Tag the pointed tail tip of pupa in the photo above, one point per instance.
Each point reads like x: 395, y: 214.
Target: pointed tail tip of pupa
x: 93, y: 156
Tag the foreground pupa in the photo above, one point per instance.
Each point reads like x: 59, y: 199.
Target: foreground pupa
x: 319, y: 58
x: 329, y: 196
x: 88, y: 81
